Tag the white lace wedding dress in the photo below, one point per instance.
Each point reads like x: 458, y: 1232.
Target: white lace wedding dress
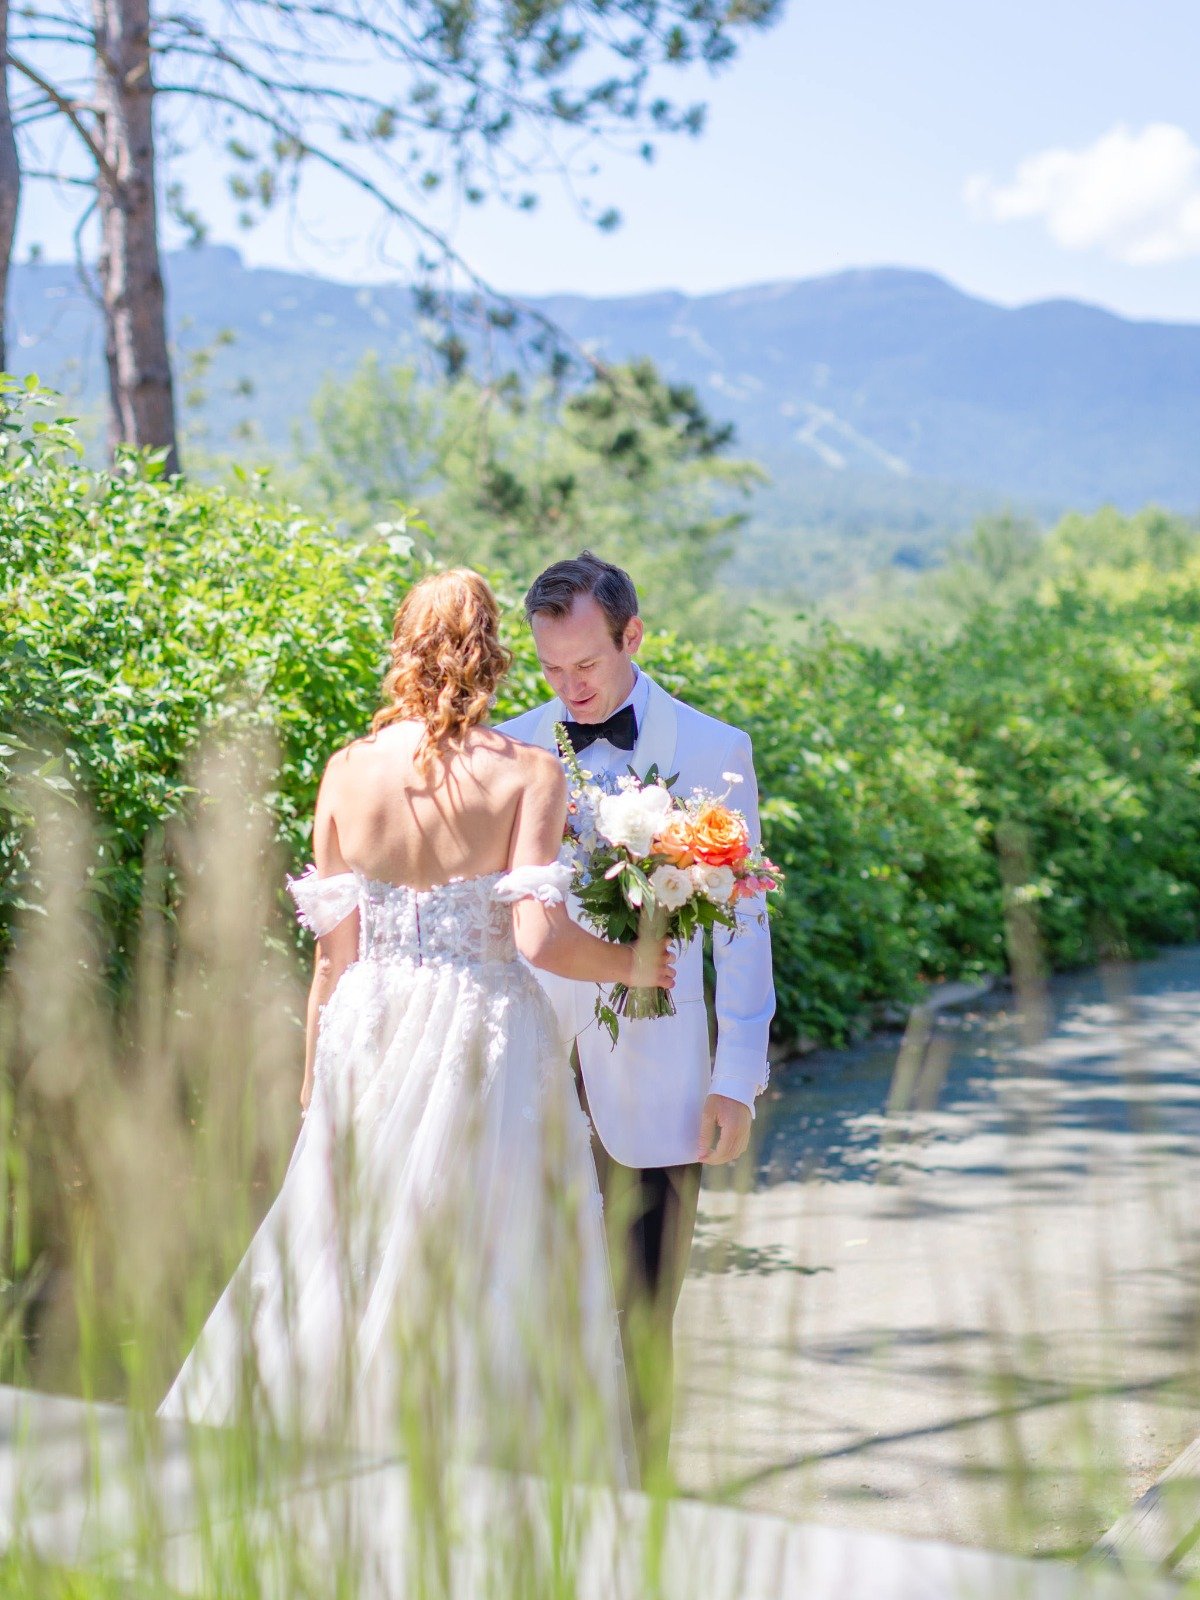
x: 437, y: 1248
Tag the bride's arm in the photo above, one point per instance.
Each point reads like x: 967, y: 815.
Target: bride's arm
x: 335, y: 949
x: 545, y: 934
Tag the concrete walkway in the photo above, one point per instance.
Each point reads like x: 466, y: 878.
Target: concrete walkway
x: 977, y: 1322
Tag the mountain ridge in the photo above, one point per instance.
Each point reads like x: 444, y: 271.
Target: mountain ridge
x: 842, y: 384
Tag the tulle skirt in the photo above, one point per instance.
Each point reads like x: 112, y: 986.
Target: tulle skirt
x: 433, y: 1271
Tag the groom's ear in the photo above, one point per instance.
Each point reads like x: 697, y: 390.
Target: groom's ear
x: 635, y: 632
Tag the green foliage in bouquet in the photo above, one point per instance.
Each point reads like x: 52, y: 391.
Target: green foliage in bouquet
x: 610, y: 904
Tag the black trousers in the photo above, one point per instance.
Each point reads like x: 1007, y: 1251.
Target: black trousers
x: 649, y: 1216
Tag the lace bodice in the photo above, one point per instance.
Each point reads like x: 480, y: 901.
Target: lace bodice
x: 467, y: 921
x: 458, y: 922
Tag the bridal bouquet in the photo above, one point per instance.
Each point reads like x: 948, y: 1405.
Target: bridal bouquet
x: 648, y: 864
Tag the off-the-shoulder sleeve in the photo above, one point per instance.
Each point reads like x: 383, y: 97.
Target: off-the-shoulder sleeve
x: 549, y: 884
x: 321, y: 903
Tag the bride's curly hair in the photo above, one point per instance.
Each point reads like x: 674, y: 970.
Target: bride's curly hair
x: 446, y: 661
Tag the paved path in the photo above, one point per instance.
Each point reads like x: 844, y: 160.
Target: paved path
x: 978, y: 1322
x: 79, y: 1487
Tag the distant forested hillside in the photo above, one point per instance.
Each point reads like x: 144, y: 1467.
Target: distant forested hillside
x: 889, y: 408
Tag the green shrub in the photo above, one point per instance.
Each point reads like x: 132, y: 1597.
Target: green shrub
x: 1079, y: 720
x: 888, y: 881
x: 135, y: 614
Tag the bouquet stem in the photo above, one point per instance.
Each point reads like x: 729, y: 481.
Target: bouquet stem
x: 638, y: 1002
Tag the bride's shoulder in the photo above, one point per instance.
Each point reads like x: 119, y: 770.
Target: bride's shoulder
x: 349, y: 754
x: 348, y: 765
x: 533, y: 762
x: 393, y: 738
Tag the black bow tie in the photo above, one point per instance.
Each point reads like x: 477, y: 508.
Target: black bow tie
x: 620, y: 730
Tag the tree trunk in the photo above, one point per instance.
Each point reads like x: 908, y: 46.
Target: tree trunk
x: 10, y: 182
x: 139, y: 367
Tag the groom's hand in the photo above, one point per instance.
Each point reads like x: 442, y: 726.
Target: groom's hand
x: 728, y: 1121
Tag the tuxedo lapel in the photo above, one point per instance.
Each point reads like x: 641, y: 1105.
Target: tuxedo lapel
x: 543, y: 734
x: 658, y: 734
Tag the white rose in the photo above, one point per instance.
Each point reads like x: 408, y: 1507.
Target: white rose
x: 634, y: 817
x: 672, y: 887
x: 714, y: 883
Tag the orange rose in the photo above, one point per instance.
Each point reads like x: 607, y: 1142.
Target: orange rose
x: 719, y: 836
x: 675, y: 842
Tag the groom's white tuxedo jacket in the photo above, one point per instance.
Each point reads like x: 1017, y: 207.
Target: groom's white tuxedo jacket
x: 647, y: 1092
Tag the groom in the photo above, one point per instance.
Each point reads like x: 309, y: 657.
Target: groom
x: 660, y: 1106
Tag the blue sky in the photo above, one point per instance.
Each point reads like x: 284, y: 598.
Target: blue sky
x: 1025, y: 151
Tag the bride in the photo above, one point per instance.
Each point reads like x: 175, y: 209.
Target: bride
x: 434, y: 1264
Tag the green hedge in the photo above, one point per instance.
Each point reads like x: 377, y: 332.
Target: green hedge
x: 135, y: 613
x: 890, y: 881
x: 1079, y: 718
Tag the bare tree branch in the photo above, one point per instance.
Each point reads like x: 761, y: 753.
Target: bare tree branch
x: 409, y: 219
x: 81, y: 267
x: 36, y: 174
x: 68, y: 108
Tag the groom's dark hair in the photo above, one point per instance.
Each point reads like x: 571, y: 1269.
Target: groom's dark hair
x: 555, y: 591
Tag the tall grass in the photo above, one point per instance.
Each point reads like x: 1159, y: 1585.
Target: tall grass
x: 145, y: 1131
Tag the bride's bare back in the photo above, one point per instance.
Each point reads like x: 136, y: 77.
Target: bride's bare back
x: 382, y: 815
x: 487, y: 806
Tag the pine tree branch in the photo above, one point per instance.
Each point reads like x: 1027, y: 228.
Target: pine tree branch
x: 68, y: 108
x: 400, y: 213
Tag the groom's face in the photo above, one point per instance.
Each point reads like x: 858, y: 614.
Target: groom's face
x: 590, y: 673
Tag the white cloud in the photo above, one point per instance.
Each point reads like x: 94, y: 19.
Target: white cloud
x: 1136, y: 196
